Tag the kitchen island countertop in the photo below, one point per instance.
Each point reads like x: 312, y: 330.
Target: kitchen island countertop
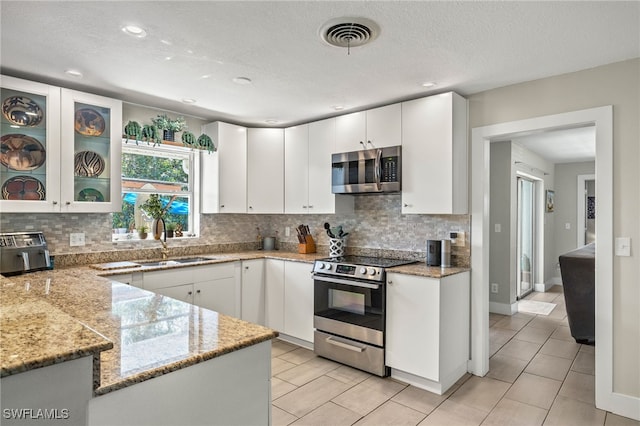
x: 50, y: 317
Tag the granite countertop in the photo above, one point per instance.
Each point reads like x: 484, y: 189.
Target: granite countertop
x: 134, y: 335
x: 55, y: 316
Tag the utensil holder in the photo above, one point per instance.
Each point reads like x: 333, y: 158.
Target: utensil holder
x: 336, y: 247
x: 309, y: 246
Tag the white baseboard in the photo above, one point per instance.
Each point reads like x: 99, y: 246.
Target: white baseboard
x: 503, y: 308
x: 620, y: 404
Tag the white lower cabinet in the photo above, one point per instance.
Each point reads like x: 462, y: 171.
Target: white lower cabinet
x: 298, y: 300
x: 427, y: 329
x: 253, y: 291
x: 216, y: 287
x: 289, y: 299
x: 274, y: 294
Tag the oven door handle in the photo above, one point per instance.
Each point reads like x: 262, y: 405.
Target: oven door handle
x: 347, y: 282
x: 343, y: 345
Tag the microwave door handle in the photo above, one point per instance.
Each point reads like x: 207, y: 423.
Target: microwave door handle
x: 378, y: 170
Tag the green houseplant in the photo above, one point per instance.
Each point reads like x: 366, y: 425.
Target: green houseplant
x: 142, y: 232
x: 153, y: 208
x: 133, y: 130
x: 189, y: 139
x: 169, y: 126
x: 150, y: 133
x: 171, y: 227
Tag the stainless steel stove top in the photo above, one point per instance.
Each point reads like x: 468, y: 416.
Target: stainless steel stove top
x: 357, y: 267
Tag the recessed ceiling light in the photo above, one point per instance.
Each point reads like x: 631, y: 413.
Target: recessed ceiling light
x: 242, y: 80
x: 167, y: 42
x: 429, y: 84
x: 338, y: 107
x: 205, y: 76
x: 188, y: 100
x: 271, y: 121
x: 168, y: 58
x: 134, y: 31
x: 73, y: 73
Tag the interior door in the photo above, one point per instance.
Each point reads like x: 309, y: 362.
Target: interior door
x: 526, y: 237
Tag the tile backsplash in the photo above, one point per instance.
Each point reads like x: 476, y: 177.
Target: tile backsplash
x: 375, y: 225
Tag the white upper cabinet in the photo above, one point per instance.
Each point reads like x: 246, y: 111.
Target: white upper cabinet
x: 296, y: 169
x: 434, y: 155
x: 374, y: 128
x: 91, y: 154
x: 39, y: 173
x: 224, y: 173
x: 384, y: 126
x: 322, y: 137
x: 308, y: 150
x: 265, y: 171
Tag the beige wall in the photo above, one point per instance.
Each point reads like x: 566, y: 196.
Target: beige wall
x: 618, y: 85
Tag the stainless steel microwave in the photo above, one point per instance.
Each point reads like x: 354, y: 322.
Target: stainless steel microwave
x: 367, y: 171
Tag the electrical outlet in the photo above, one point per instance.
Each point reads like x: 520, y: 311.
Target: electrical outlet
x: 457, y: 238
x: 287, y: 231
x: 76, y: 239
x: 494, y: 287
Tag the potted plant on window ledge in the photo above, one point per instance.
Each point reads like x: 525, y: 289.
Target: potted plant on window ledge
x: 142, y: 232
x: 153, y: 208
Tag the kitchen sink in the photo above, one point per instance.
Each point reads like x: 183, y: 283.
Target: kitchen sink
x: 176, y: 261
x: 193, y: 259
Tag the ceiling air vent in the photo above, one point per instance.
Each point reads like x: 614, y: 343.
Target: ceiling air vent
x: 349, y: 32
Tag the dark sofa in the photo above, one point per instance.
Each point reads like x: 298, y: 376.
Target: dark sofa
x: 578, y: 279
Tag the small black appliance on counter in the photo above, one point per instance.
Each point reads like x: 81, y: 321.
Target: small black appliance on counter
x: 22, y: 252
x: 434, y: 248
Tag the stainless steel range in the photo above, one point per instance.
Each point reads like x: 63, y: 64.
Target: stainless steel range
x: 349, y: 310
x: 22, y: 252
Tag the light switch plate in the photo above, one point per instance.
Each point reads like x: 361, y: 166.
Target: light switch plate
x: 623, y: 246
x: 76, y: 239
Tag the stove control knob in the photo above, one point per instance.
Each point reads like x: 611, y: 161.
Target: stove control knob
x: 363, y: 271
x: 328, y: 265
x: 320, y: 265
x: 372, y: 271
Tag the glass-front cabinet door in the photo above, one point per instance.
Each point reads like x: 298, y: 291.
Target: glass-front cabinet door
x: 91, y: 134
x: 30, y: 146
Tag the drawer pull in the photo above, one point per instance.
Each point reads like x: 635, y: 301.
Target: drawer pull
x: 343, y: 345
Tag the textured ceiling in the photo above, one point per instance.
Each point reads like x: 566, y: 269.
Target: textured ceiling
x: 296, y: 77
x: 562, y: 146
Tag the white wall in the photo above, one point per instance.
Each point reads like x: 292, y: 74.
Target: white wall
x: 618, y: 85
x: 566, y: 203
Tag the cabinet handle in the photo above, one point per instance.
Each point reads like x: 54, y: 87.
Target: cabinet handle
x: 390, y: 282
x: 304, y: 207
x: 246, y: 267
x: 371, y: 143
x: 406, y: 205
x: 189, y: 293
x: 310, y: 207
x: 68, y: 202
x: 250, y: 207
x: 221, y: 206
x: 362, y: 143
x: 55, y: 203
x: 197, y: 291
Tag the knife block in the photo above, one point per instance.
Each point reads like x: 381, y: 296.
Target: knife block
x: 309, y: 246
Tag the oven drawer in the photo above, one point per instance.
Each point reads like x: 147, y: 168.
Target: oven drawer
x: 350, y: 352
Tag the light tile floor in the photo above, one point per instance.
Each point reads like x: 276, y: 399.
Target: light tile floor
x: 538, y: 375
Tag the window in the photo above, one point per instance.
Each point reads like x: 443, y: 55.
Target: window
x: 164, y: 170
